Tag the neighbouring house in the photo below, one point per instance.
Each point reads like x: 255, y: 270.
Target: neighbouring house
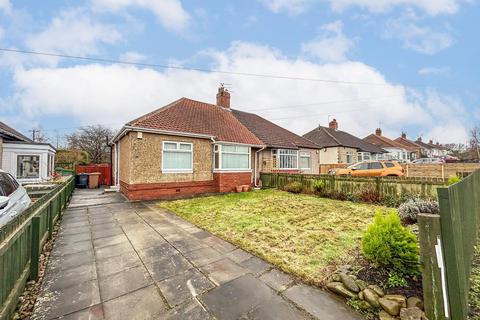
x: 26, y: 160
x: 190, y: 147
x: 395, y: 150
x: 340, y: 147
x: 427, y: 150
x: 415, y: 151
x: 438, y: 150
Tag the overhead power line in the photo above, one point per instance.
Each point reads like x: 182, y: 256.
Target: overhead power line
x: 160, y: 66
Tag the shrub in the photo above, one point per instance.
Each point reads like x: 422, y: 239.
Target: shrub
x: 389, y: 244
x: 293, y: 187
x: 319, y: 186
x: 390, y: 201
x: 337, y: 195
x: 409, y: 210
x: 453, y: 180
x: 396, y: 280
x: 369, y: 193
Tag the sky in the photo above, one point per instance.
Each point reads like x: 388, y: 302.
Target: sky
x: 402, y: 65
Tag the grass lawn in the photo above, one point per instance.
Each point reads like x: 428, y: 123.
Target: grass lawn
x: 302, y: 234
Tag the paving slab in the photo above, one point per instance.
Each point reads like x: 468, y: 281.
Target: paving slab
x: 277, y: 280
x: 256, y: 265
x: 151, y: 255
x: 65, y: 262
x: 60, y: 279
x: 91, y: 313
x: 61, y: 249
x: 166, y: 267
x: 191, y: 310
x: 203, y: 256
x: 223, y: 271
x: 117, y: 264
x: 113, y: 250
x: 319, y: 303
x: 239, y: 255
x: 124, y: 282
x: 184, y: 286
x: 143, y: 304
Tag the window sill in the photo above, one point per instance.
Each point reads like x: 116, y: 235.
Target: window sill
x: 177, y: 171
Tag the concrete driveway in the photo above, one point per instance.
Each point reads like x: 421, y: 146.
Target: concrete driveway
x: 119, y: 260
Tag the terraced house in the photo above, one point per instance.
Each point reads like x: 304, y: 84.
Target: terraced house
x: 190, y: 147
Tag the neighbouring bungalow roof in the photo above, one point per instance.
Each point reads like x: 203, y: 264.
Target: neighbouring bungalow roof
x: 190, y: 116
x: 328, y: 137
x: 8, y: 133
x: 382, y: 141
x: 271, y: 134
x: 408, y: 144
x: 437, y: 146
x: 423, y: 144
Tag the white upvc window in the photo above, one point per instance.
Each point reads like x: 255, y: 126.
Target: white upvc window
x: 363, y: 156
x: 304, y: 161
x: 177, y: 157
x: 285, y: 158
x: 349, y: 157
x: 231, y: 157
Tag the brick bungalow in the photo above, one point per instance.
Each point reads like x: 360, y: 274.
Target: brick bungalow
x: 190, y: 147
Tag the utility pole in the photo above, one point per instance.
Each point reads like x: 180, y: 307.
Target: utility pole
x: 34, y: 131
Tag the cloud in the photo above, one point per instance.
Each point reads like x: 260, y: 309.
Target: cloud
x: 170, y: 13
x: 427, y: 71
x: 330, y: 45
x: 421, y: 39
x: 432, y: 7
x: 132, y: 56
x: 292, y: 7
x: 5, y: 6
x: 74, y: 32
x: 115, y: 94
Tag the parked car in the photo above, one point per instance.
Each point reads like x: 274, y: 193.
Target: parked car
x: 428, y: 161
x: 13, y: 198
x: 371, y: 169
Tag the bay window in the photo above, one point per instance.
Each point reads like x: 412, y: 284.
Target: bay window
x: 177, y: 157
x: 304, y: 160
x: 285, y: 158
x: 231, y: 157
x: 363, y: 156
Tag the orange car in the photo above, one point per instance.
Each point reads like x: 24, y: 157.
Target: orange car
x: 372, y: 169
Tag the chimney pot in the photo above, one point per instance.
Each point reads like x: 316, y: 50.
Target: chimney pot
x: 333, y: 124
x: 378, y: 132
x: 223, y: 97
x: 404, y: 135
x: 419, y: 139
x: 430, y: 142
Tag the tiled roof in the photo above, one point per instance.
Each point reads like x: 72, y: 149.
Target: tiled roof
x: 12, y: 134
x: 423, y: 144
x: 190, y: 116
x: 408, y: 144
x: 382, y: 141
x: 271, y: 134
x: 327, y: 137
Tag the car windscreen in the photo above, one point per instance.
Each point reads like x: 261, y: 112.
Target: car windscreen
x: 7, y: 185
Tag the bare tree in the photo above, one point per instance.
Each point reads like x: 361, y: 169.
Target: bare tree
x: 93, y: 140
x: 475, y: 140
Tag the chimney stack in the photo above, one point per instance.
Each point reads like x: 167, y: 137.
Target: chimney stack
x: 223, y: 97
x: 430, y: 142
x: 404, y: 135
x: 419, y: 139
x: 378, y: 132
x: 333, y: 124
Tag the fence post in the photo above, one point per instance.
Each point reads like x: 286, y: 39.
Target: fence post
x: 35, y: 248
x: 443, y: 171
x: 429, y: 232
x: 50, y: 215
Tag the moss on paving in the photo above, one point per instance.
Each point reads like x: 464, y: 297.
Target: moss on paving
x: 305, y: 235
x: 474, y: 296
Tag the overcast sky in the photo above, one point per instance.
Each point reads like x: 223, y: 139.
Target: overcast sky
x: 412, y: 65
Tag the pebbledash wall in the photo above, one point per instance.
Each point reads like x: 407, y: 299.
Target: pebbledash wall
x: 266, y: 162
x: 141, y: 176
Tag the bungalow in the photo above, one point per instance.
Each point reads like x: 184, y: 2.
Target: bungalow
x: 190, y: 147
x: 395, y: 150
x: 438, y: 150
x: 427, y: 150
x: 415, y: 151
x: 26, y: 160
x: 340, y: 147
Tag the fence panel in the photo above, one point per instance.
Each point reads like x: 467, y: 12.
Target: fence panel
x: 104, y: 169
x: 20, y: 239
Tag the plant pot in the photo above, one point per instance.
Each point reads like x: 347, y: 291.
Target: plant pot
x: 239, y: 188
x: 245, y: 188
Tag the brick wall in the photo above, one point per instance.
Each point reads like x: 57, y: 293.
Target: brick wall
x: 227, y: 182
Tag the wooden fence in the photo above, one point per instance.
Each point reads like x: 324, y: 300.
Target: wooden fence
x: 447, y: 246
x: 22, y: 240
x: 386, y: 186
x: 439, y: 170
x: 105, y: 178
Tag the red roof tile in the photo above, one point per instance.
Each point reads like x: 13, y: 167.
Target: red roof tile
x: 190, y: 116
x: 383, y: 142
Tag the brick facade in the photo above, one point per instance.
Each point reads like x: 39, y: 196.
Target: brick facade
x: 222, y: 182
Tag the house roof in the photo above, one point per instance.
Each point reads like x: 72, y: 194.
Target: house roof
x: 327, y: 137
x: 382, y: 141
x: 9, y: 133
x: 423, y: 144
x: 190, y: 116
x: 437, y: 146
x: 408, y: 144
x: 271, y: 134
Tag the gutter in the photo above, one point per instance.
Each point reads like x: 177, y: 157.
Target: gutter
x: 126, y: 129
x: 255, y: 168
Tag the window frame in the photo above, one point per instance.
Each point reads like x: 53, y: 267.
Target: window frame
x: 39, y: 156
x: 277, y: 153
x: 218, y: 150
x: 349, y: 154
x: 305, y: 154
x: 177, y: 143
x: 361, y: 156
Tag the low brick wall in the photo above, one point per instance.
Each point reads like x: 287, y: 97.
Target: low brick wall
x: 227, y: 181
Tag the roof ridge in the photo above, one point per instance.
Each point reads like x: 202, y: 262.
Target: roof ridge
x: 326, y: 131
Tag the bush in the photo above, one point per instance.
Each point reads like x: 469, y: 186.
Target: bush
x: 453, y: 180
x: 390, y: 201
x: 389, y: 244
x: 396, y: 280
x: 409, y: 210
x: 319, y: 186
x: 337, y: 195
x: 369, y: 193
x: 293, y: 187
